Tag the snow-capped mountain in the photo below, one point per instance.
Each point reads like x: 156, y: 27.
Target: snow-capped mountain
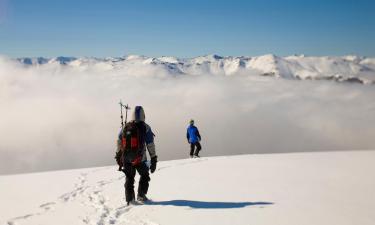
x: 342, y: 69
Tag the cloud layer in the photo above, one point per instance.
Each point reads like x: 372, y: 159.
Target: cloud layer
x: 56, y: 117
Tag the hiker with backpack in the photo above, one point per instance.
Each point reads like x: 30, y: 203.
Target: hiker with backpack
x: 131, y: 156
x: 193, y: 138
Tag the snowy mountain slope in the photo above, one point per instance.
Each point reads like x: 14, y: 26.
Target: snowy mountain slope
x: 299, y: 188
x: 342, y: 69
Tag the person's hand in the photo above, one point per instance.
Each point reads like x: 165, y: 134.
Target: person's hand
x: 154, y: 161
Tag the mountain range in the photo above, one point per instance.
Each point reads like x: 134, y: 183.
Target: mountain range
x: 353, y: 69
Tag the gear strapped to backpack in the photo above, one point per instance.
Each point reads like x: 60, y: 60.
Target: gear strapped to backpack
x: 133, y: 142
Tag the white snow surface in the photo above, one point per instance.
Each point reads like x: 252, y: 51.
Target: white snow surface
x: 354, y: 69
x: 293, y: 188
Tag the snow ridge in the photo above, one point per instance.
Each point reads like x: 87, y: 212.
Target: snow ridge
x: 265, y: 189
x: 354, y: 69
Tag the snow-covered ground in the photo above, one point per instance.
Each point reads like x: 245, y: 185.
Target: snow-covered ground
x: 291, y: 189
x: 354, y: 69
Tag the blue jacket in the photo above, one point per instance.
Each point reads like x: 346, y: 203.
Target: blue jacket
x: 192, y: 134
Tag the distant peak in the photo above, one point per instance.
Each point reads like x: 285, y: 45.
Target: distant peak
x: 214, y: 56
x: 63, y: 59
x: 132, y: 57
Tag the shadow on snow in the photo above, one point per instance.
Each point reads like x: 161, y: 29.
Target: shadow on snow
x: 208, y: 205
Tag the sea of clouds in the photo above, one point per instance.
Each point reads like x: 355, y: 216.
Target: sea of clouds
x: 59, y: 117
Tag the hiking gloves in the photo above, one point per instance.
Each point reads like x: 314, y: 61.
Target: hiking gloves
x: 154, y: 160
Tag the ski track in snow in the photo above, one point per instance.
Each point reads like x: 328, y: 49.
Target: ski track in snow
x: 92, y: 196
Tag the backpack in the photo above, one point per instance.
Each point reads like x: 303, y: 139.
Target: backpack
x: 133, y: 142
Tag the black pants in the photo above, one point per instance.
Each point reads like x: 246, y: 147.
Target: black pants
x: 129, y: 171
x: 192, y: 147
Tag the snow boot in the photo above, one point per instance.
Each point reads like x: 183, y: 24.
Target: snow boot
x: 130, y: 198
x: 142, y: 198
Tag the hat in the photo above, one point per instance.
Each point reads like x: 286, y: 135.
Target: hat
x: 138, y: 114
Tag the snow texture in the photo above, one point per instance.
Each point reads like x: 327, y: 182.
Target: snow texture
x: 296, y: 188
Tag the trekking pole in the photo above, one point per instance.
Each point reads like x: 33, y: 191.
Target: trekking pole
x: 126, y: 112
x: 122, y: 117
x: 119, y: 153
x: 126, y: 107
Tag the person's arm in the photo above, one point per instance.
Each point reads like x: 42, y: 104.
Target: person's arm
x: 118, y: 151
x: 150, y: 142
x: 198, y: 135
x: 151, y: 148
x: 187, y: 135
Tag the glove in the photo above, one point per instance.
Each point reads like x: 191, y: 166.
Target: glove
x: 154, y: 160
x: 119, y: 161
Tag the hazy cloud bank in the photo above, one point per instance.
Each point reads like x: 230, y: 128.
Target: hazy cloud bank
x: 58, y: 117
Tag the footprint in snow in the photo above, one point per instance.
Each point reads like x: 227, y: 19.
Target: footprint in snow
x: 47, y: 206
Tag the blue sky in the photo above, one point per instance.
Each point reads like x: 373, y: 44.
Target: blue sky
x: 186, y: 28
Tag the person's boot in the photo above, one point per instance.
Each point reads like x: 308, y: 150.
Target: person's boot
x: 142, y: 198
x: 130, y: 198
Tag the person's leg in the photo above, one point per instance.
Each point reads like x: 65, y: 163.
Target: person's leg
x: 129, y: 171
x: 143, y: 180
x: 199, y: 147
x: 192, y: 146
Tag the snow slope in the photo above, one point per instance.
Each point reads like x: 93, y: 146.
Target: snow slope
x: 297, y: 188
x: 353, y: 69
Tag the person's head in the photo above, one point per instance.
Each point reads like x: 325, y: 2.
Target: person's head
x: 138, y: 114
x: 191, y: 122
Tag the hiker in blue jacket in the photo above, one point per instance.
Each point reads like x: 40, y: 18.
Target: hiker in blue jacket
x: 193, y: 138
